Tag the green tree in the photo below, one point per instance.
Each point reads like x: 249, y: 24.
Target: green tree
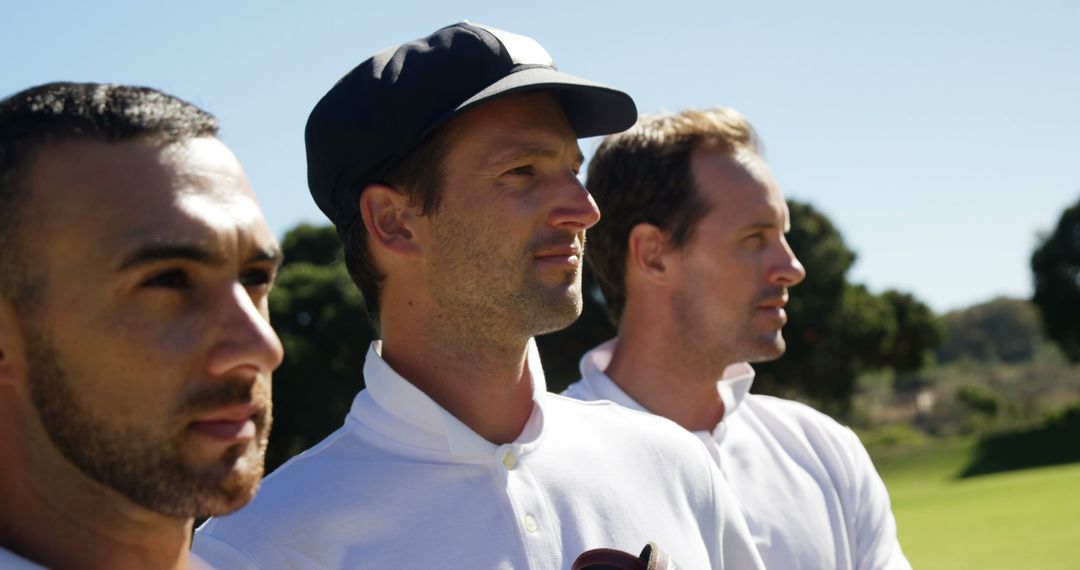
x: 306, y: 243
x: 320, y: 317
x: 852, y: 337
x: 918, y: 332
x: 1056, y: 267
x: 836, y: 329
x: 814, y: 303
x: 1000, y: 330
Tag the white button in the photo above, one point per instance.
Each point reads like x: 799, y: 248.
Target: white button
x: 530, y: 524
x: 509, y: 461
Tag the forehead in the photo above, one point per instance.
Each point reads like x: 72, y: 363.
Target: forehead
x: 105, y: 197
x: 738, y: 185
x: 532, y: 120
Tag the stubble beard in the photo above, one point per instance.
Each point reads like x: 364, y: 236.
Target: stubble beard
x: 498, y: 299
x: 767, y: 345
x: 714, y: 342
x: 140, y: 463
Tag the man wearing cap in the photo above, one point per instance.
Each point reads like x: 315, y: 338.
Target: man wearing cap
x: 449, y: 165
x: 694, y: 265
x: 135, y: 343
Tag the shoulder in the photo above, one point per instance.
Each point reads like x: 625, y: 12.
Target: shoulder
x: 797, y: 426
x: 634, y: 453
x: 792, y: 408
x: 576, y: 409
x: 623, y: 430
x: 797, y: 415
x: 803, y: 431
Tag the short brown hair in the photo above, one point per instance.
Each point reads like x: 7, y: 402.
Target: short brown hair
x: 418, y: 175
x: 643, y: 176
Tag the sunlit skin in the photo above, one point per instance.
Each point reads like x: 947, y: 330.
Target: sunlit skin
x: 717, y: 301
x: 152, y: 329
x: 499, y: 262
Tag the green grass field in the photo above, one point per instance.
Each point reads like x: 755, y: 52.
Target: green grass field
x: 1019, y: 519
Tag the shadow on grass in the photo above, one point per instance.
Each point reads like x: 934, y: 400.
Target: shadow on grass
x: 1054, y: 443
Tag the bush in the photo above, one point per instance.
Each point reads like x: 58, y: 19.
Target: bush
x: 979, y: 399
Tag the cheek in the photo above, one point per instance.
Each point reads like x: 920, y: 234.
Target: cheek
x: 485, y: 233
x: 135, y: 356
x: 732, y: 281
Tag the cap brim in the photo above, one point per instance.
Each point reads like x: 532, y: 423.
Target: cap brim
x: 591, y: 108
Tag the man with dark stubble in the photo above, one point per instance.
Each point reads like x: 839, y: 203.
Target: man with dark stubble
x: 449, y: 165
x: 135, y: 347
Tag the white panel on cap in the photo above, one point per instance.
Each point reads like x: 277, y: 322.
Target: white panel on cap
x: 522, y: 49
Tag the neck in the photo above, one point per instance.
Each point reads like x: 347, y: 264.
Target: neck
x: 485, y: 383
x: 56, y: 516
x: 650, y: 365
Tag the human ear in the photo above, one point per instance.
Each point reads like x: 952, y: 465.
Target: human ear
x: 389, y: 218
x: 649, y: 253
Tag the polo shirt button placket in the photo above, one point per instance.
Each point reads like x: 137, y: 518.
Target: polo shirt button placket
x: 527, y: 503
x: 530, y: 524
x: 509, y: 460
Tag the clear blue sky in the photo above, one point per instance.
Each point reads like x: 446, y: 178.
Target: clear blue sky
x: 940, y: 136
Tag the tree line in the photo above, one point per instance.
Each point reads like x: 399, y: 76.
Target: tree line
x: 837, y: 329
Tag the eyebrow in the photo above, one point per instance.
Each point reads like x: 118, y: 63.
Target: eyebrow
x: 190, y: 252
x: 786, y: 227
x: 531, y: 151
x: 273, y: 254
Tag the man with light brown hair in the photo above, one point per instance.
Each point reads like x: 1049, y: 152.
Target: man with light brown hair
x: 449, y: 166
x: 692, y: 258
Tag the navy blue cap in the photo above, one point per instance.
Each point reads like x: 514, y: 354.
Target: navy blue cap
x: 388, y: 104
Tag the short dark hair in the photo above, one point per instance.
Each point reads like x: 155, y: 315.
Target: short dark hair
x: 643, y: 176
x: 54, y: 113
x: 418, y: 175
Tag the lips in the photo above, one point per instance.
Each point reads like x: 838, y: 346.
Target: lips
x: 232, y: 424
x: 773, y: 306
x: 567, y: 254
x: 777, y: 303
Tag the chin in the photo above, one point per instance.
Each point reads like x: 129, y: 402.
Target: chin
x: 232, y: 489
x: 563, y: 311
x: 556, y: 320
x: 766, y: 349
x: 225, y: 484
x: 227, y: 500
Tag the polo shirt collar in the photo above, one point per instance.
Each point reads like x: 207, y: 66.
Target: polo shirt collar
x: 733, y: 385
x: 405, y: 413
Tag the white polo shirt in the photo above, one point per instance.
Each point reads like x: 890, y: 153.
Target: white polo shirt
x: 404, y: 484
x: 809, y: 492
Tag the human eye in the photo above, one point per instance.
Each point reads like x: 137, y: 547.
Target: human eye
x: 524, y: 170
x: 578, y: 163
x: 755, y: 240
x: 168, y: 279
x: 259, y: 277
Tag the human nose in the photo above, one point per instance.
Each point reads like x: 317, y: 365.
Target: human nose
x: 576, y: 210
x: 788, y: 271
x: 247, y: 344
